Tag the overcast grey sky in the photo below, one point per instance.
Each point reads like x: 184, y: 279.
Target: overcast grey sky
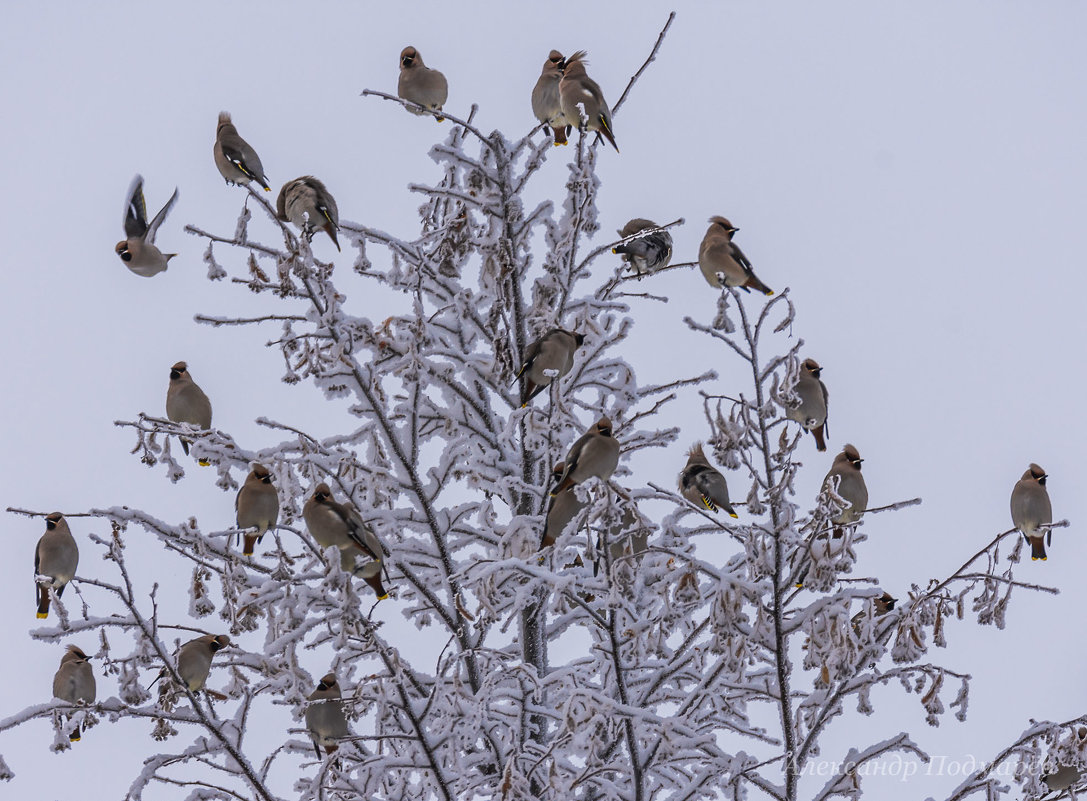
x: 914, y: 173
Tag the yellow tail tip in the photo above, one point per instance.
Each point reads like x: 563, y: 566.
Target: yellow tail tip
x: 1033, y: 559
x: 74, y: 739
x: 734, y: 515
x: 42, y: 615
x: 204, y: 463
x: 799, y: 585
x: 613, y: 250
x: 247, y: 553
x: 440, y: 119
x: 769, y: 293
x: 267, y: 189
x: 383, y: 597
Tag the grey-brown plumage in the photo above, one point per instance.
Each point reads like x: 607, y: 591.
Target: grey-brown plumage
x: 702, y: 484
x: 137, y: 250
x: 811, y: 413
x: 648, y: 253
x: 420, y: 84
x: 341, y: 525
x: 1062, y: 778
x: 546, y: 104
x: 308, y: 204
x: 851, y: 486
x: 1032, y: 512
x: 554, y: 351
x: 56, y: 558
x: 74, y: 682
x: 563, y: 508
x: 186, y: 402
x: 579, y: 93
x: 325, y: 717
x: 577, y: 89
x: 721, y: 258
x: 238, y: 163
x: 194, y: 659
x: 257, y: 506
x: 596, y: 453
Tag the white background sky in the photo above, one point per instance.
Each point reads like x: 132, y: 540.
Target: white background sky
x: 915, y: 174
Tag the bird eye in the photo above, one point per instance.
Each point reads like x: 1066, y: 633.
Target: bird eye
x: 126, y: 256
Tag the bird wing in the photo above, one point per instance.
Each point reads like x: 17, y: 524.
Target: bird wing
x: 153, y: 228
x: 530, y: 354
x: 359, y: 532
x: 135, y: 219
x: 712, y: 485
x: 740, y: 258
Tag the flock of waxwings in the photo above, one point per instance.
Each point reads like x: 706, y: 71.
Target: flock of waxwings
x: 565, y: 97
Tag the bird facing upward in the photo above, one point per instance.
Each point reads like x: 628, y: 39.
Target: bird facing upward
x: 546, y: 103
x: 237, y: 162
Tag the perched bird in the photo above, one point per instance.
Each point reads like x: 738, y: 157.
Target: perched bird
x: 187, y: 403
x: 420, y: 84
x: 648, y: 253
x: 701, y: 484
x: 546, y: 104
x: 563, y: 508
x: 306, y: 203
x: 596, y: 453
x: 1062, y: 778
x: 577, y: 89
x: 137, y: 250
x: 340, y: 524
x: 551, y: 353
x: 880, y: 606
x: 238, y: 163
x: 851, y: 486
x: 1031, y: 511
x: 194, y: 659
x: 55, y: 560
x: 74, y: 682
x: 720, y: 256
x: 811, y: 413
x: 257, y: 506
x: 325, y: 718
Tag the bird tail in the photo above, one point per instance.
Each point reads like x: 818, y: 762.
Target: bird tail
x: 330, y: 229
x: 250, y: 542
x: 564, y: 483
x: 560, y: 132
x: 379, y: 589
x: 76, y: 734
x: 43, y: 601
x: 728, y: 508
x: 754, y: 283
x: 1037, y: 548
x: 605, y: 129
x: 820, y: 443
